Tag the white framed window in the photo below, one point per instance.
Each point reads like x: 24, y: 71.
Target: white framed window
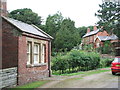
x: 29, y: 52
x: 36, y: 54
x: 98, y: 44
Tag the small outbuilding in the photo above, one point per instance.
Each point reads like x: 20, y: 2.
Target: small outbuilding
x: 26, y: 52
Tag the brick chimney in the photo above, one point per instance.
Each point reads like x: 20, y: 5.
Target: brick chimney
x: 95, y: 28
x: 3, y: 7
x: 88, y: 30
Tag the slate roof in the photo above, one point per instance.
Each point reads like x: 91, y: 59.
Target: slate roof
x: 104, y: 38
x: 91, y: 33
x: 31, y: 29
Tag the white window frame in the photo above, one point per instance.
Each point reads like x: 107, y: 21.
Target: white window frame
x: 98, y: 44
x: 35, y: 57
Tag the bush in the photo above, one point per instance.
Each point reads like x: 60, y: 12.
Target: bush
x: 76, y: 60
x: 106, y: 49
x: 105, y: 62
x: 60, y: 63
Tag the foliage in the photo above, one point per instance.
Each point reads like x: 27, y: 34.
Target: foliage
x: 67, y: 37
x: 88, y: 47
x: 52, y: 26
x: 60, y: 63
x: 26, y: 15
x: 82, y: 30
x: 53, y: 23
x: 76, y: 60
x: 106, y: 49
x: 87, y: 73
x: 109, y: 16
x: 62, y: 30
x: 105, y: 62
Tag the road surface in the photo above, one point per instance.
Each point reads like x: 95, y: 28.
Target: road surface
x: 100, y: 80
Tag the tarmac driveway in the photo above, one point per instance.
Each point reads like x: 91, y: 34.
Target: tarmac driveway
x: 101, y: 80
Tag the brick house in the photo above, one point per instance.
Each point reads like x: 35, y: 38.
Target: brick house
x: 99, y: 41
x: 26, y: 51
x: 97, y: 37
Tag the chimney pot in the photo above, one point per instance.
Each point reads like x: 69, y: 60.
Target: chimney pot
x: 88, y: 30
x: 95, y: 28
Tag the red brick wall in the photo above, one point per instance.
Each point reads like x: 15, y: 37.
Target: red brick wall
x: 9, y: 46
x: 29, y: 74
x: 14, y: 54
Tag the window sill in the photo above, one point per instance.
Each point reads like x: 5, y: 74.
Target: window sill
x: 36, y: 65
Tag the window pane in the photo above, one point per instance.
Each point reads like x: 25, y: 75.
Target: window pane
x: 35, y: 59
x: 36, y: 53
x: 28, y: 53
x: 36, y: 48
x: 28, y: 47
x: 28, y: 57
x: 117, y: 60
x: 43, y: 54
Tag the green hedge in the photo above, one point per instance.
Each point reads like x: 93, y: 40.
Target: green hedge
x: 105, y: 62
x: 76, y: 60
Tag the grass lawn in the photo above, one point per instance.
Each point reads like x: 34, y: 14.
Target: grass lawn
x: 30, y: 86
x: 84, y: 72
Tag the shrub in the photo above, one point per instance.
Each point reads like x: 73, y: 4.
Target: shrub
x: 105, y: 62
x: 106, y: 49
x: 76, y: 60
x: 59, y: 63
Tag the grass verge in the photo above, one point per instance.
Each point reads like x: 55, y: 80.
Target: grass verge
x: 30, y: 86
x: 100, y: 70
x: 86, y: 73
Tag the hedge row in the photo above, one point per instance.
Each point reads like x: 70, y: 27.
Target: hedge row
x: 76, y: 60
x: 105, y: 62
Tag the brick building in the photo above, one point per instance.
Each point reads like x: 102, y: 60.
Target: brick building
x: 97, y: 37
x: 26, y: 51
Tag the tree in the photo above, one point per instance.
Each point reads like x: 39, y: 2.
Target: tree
x: 67, y: 37
x: 109, y: 16
x: 82, y: 30
x: 52, y: 26
x: 53, y: 23
x: 26, y: 15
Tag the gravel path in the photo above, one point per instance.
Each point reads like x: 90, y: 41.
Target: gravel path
x: 101, y: 80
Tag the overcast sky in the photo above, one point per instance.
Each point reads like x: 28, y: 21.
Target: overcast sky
x: 80, y: 11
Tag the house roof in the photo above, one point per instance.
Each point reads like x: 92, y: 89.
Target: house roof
x: 91, y: 33
x: 27, y: 28
x: 104, y: 38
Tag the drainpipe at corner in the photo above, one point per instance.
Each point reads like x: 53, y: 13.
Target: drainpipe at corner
x: 49, y: 58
